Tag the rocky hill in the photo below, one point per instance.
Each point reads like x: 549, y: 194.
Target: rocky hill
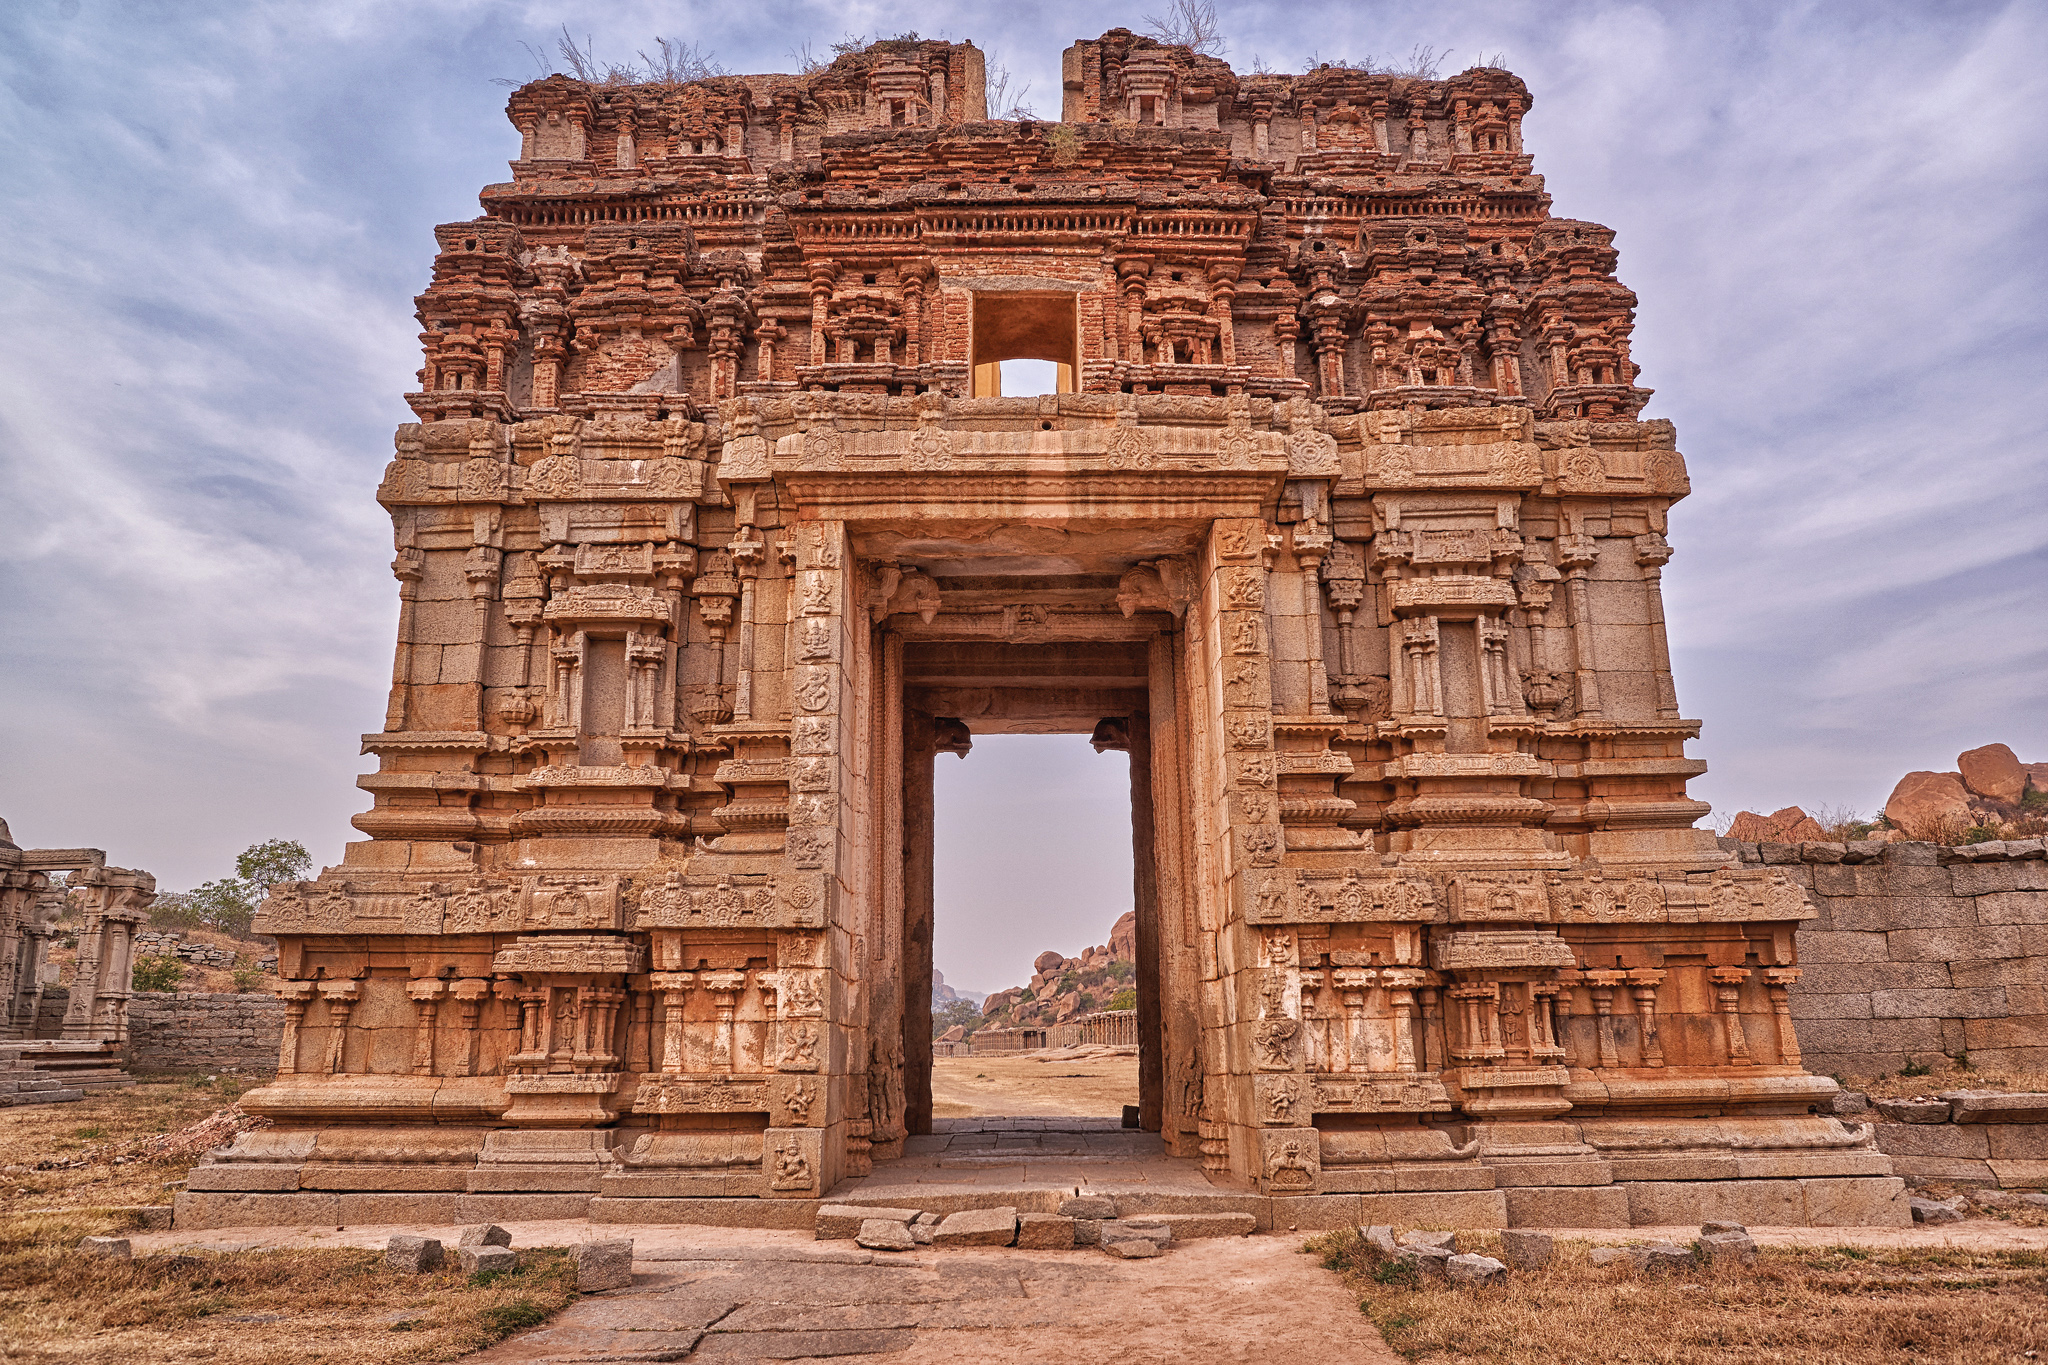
x: 1991, y: 795
x: 1062, y: 989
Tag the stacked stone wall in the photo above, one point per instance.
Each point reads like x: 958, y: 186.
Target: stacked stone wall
x: 190, y: 1031
x: 1918, y: 952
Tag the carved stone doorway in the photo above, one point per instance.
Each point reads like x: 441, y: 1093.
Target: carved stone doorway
x: 1052, y: 672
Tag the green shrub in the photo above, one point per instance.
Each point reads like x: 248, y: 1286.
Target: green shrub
x: 157, y: 973
x: 1125, y: 999
x: 516, y: 1316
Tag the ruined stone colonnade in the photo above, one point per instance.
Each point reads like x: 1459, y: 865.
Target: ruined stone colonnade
x: 716, y: 528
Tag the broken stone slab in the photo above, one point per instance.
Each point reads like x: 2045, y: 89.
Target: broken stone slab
x: 1475, y: 1270
x: 1997, y: 1106
x: 1848, y: 1102
x: 604, y: 1265
x: 1088, y: 1206
x: 1440, y: 1241
x: 1087, y: 1232
x: 485, y: 1235
x: 1134, y: 1248
x: 1045, y: 1232
x: 1150, y: 1229
x: 1188, y: 1227
x: 1661, y: 1258
x: 412, y: 1255
x: 1726, y: 1248
x: 977, y: 1228
x: 838, y: 1221
x: 885, y: 1234
x: 1708, y: 1229
x: 921, y: 1233
x: 113, y: 1248
x: 1920, y: 1109
x: 2037, y: 1199
x: 1527, y: 1250
x: 476, y: 1259
x: 1936, y: 1211
x: 1996, y: 1199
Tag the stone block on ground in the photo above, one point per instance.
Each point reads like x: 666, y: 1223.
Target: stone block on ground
x: 839, y: 1221
x: 1045, y: 1232
x: 604, y: 1265
x: 474, y: 1260
x: 921, y: 1233
x: 1661, y: 1258
x: 1736, y: 1248
x: 1148, y: 1228
x: 1937, y: 1211
x: 885, y: 1234
x: 1527, y: 1250
x: 485, y: 1235
x: 1134, y: 1248
x: 1439, y: 1241
x: 1473, y: 1270
x: 114, y: 1248
x: 1088, y: 1206
x: 413, y: 1255
x: 1188, y: 1227
x: 977, y: 1228
x: 1087, y: 1232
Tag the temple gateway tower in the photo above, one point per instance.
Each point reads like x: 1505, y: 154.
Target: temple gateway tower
x: 716, y: 526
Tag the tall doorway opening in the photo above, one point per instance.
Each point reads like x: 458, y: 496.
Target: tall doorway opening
x: 1034, y: 944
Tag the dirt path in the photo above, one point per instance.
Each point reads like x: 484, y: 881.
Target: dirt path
x: 1024, y: 1087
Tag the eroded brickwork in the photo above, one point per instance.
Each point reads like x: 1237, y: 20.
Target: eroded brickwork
x: 715, y: 529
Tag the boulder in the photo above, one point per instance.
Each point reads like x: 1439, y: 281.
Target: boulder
x: 1047, y: 962
x: 1527, y: 1250
x: 884, y: 1234
x: 1475, y: 1270
x: 471, y: 1260
x: 604, y: 1265
x: 1123, y: 935
x: 1924, y: 798
x: 485, y: 1235
x: 955, y: 1034
x: 1788, y: 826
x: 1994, y: 772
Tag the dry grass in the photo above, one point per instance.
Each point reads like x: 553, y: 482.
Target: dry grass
x: 1900, y: 1085
x: 1831, y: 1306
x: 100, y: 1157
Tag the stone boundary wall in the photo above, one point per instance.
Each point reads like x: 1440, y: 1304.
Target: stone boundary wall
x: 1918, y: 952
x: 192, y: 1031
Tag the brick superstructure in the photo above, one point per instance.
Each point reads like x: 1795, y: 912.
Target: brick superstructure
x: 716, y: 528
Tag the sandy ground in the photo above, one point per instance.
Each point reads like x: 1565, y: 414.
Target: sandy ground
x: 1024, y: 1087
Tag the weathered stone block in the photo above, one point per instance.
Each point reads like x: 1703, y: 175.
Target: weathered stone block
x: 480, y: 1258
x: 1985, y: 1003
x: 1753, y: 1203
x: 977, y: 1228
x: 1866, y: 1202
x: 485, y: 1235
x: 839, y: 1221
x: 1933, y: 1139
x: 1524, y: 1250
x: 1474, y: 1271
x: 604, y: 1265
x: 1459, y: 1208
x: 884, y: 1234
x: 2013, y: 907
x: 412, y: 1255
x: 1045, y: 1232
x: 1187, y: 1227
x: 1087, y: 1206
x: 1997, y: 1106
x: 113, y: 1248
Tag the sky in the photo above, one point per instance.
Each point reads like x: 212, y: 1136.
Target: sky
x: 217, y: 215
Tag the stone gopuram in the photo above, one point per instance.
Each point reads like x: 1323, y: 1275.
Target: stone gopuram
x: 716, y: 527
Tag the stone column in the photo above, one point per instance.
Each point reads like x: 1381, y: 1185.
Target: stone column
x: 426, y: 993
x: 1643, y: 983
x: 1575, y: 555
x: 1727, y: 990
x: 296, y: 996
x: 917, y: 836
x: 1652, y: 552
x: 1780, y: 981
x: 409, y: 565
x: 341, y: 998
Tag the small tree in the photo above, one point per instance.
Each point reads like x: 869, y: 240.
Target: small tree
x: 156, y: 974
x: 1125, y: 999
x: 956, y: 1013
x: 229, y: 904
